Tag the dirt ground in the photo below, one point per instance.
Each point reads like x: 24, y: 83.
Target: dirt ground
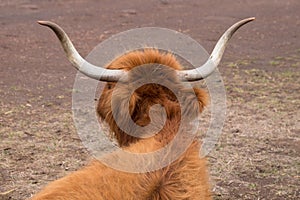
x: 257, y: 156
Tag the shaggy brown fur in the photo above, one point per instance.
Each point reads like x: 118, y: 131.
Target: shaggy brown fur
x: 185, y: 178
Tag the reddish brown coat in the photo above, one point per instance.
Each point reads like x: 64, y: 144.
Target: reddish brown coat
x: 185, y: 178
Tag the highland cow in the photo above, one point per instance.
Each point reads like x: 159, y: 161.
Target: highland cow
x: 184, y: 178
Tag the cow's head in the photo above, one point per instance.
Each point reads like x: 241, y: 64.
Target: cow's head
x: 145, y: 97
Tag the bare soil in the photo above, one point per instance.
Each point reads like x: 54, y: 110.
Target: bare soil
x: 257, y: 156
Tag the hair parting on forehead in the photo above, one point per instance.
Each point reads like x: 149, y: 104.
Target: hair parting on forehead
x: 147, y: 95
x: 144, y: 56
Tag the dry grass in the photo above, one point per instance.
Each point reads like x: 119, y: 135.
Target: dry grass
x: 258, y: 154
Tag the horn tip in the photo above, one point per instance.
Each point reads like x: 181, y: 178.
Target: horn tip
x: 41, y: 22
x: 44, y: 23
x: 251, y: 19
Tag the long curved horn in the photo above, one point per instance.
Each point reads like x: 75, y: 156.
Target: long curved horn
x: 211, y: 64
x: 80, y: 63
